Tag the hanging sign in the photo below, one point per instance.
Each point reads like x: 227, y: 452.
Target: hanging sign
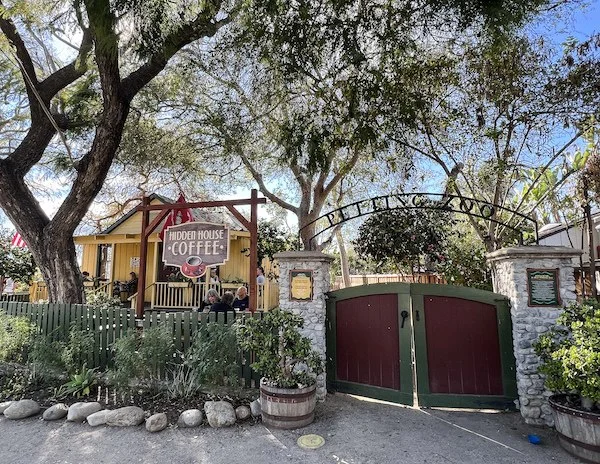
x: 543, y: 288
x: 193, y: 246
x: 301, y: 284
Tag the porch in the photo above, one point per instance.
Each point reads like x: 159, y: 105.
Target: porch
x: 173, y: 295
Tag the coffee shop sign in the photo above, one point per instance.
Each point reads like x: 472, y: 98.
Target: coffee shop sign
x: 194, y: 246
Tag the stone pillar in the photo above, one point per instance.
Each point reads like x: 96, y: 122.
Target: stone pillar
x: 313, y: 311
x: 509, y: 275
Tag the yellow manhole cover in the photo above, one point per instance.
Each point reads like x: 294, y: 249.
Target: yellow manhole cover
x: 311, y: 441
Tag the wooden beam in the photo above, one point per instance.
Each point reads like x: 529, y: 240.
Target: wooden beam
x: 139, y: 307
x: 253, y: 229
x: 201, y: 204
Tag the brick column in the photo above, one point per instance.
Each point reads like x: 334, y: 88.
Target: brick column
x: 313, y: 311
x: 509, y: 275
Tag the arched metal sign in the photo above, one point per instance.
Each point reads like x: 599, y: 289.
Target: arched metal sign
x: 420, y: 200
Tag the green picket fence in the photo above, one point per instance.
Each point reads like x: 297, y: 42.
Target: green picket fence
x: 107, y: 325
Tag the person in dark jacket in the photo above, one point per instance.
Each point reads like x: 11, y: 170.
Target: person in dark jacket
x: 242, y: 300
x: 224, y: 305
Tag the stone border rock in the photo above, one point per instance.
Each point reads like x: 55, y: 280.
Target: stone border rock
x: 218, y: 414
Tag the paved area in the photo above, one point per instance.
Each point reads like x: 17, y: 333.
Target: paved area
x: 356, y: 431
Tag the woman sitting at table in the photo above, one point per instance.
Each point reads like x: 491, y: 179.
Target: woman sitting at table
x: 212, y: 297
x: 242, y: 300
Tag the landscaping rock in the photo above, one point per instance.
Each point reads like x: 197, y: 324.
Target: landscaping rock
x: 255, y: 408
x: 219, y: 413
x: 4, y: 406
x: 242, y: 412
x: 22, y: 409
x: 157, y: 422
x: 125, y: 417
x: 190, y: 418
x: 98, y: 418
x: 55, y: 412
x: 78, y: 412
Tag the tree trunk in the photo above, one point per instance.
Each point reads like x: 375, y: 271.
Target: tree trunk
x: 61, y: 272
x: 343, y: 258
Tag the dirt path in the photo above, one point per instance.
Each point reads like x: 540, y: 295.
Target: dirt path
x: 355, y: 432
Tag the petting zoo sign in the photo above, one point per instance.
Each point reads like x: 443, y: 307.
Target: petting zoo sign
x: 194, y: 246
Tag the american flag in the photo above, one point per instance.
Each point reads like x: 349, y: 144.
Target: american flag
x: 17, y: 241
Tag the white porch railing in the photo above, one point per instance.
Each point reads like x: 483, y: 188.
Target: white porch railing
x: 180, y: 295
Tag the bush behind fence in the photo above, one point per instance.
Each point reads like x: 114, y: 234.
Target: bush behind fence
x: 109, y: 324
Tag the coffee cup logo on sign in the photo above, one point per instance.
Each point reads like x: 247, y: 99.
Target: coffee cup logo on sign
x: 193, y: 267
x: 194, y: 246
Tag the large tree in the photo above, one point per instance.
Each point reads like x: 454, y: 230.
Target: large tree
x: 105, y: 61
x: 311, y: 92
x: 492, y: 128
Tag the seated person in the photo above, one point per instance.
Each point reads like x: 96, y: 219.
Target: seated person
x: 242, y: 300
x: 132, y: 284
x: 86, y: 276
x: 224, y: 305
x: 212, y: 297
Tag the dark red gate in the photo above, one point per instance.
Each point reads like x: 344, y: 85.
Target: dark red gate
x: 462, y: 340
x: 463, y: 350
x: 368, y: 341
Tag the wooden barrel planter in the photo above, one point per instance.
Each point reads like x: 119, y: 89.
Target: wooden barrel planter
x: 287, y: 408
x: 578, y: 431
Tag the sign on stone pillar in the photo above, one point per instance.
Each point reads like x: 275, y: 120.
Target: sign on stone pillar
x: 303, y: 282
x: 538, y: 281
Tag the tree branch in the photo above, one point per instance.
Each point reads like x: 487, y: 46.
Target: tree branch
x: 201, y: 27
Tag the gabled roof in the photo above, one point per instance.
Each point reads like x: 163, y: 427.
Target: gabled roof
x: 214, y: 215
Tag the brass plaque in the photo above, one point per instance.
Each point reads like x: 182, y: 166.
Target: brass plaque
x: 301, y: 285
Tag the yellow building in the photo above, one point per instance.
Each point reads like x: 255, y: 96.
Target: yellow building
x: 112, y: 254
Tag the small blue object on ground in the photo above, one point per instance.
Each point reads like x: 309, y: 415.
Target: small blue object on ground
x: 534, y: 439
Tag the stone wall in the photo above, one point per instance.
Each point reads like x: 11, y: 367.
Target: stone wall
x: 312, y: 311
x: 509, y: 274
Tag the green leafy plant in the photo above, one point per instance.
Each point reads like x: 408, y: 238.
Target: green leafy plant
x: 15, y: 336
x: 79, y: 385
x: 570, y: 352
x: 143, y: 357
x: 45, y: 357
x: 184, y: 382
x: 213, y: 355
x: 284, y: 357
x: 101, y: 300
x: 78, y: 349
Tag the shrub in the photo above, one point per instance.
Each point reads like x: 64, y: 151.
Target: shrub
x: 283, y: 356
x: 213, y: 355
x: 45, y: 357
x: 100, y: 300
x: 15, y: 336
x: 78, y: 349
x: 143, y: 357
x: 184, y: 382
x: 570, y: 352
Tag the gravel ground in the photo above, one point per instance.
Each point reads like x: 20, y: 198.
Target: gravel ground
x: 355, y: 431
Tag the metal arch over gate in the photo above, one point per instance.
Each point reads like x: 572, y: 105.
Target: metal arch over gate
x: 422, y: 200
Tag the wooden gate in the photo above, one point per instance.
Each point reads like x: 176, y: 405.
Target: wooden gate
x: 436, y: 345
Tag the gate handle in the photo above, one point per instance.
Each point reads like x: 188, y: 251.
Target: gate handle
x: 404, y: 315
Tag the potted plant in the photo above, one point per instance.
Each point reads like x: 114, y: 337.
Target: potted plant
x: 288, y: 366
x: 178, y: 280
x: 570, y: 356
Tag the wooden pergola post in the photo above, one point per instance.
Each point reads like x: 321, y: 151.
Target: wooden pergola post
x: 148, y: 227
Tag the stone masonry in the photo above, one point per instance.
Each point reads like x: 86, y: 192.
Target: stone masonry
x: 509, y: 275
x: 312, y: 311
